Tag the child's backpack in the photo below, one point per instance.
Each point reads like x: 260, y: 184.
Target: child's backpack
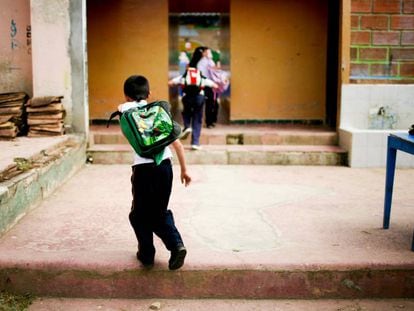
x: 148, y: 129
x: 192, y: 81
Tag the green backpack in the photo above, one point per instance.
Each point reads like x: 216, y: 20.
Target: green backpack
x: 148, y: 129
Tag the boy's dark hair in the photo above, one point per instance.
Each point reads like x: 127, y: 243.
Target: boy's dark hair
x: 136, y: 87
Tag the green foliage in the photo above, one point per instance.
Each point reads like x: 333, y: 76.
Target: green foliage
x: 10, y: 302
x: 23, y: 164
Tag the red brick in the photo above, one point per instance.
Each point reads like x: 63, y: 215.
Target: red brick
x: 407, y: 69
x: 360, y: 70
x: 355, y: 21
x: 374, y: 22
x: 384, y: 70
x: 408, y: 6
x: 360, y: 6
x: 385, y: 38
x: 361, y: 37
x: 386, y: 6
x: 354, y: 53
x: 402, y: 22
x: 373, y: 54
x: 407, y: 38
x: 402, y: 54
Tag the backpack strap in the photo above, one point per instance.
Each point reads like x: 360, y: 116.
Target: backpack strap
x: 113, y: 115
x: 185, y: 77
x: 200, y: 85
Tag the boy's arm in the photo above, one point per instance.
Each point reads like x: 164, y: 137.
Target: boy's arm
x: 179, y: 150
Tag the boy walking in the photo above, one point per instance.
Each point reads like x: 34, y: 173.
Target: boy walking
x: 151, y: 189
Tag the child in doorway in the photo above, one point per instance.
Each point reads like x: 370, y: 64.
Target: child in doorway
x: 205, y: 65
x: 193, y: 99
x: 151, y: 189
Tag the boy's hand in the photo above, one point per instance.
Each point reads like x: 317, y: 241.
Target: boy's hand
x: 185, y: 179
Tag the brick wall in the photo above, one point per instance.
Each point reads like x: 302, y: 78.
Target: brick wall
x: 382, y: 40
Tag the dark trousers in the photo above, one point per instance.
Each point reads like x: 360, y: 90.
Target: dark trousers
x: 151, y: 189
x: 193, y: 115
x: 211, y: 107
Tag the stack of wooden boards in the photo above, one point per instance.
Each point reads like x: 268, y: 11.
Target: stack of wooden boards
x: 12, y: 115
x: 45, y: 116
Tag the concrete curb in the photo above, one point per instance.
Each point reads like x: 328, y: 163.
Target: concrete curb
x: 220, y: 283
x: 25, y: 191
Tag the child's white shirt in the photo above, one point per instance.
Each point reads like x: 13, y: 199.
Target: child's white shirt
x: 137, y: 158
x: 204, y: 81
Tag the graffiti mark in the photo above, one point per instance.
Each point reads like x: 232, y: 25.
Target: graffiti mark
x: 29, y: 39
x: 13, y: 28
x: 13, y: 33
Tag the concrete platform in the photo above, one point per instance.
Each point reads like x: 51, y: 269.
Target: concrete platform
x: 32, y: 168
x: 251, y: 232
x: 27, y: 147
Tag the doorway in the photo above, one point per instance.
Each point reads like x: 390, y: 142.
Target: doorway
x: 282, y: 55
x: 193, y: 24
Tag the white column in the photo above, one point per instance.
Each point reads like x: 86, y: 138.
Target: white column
x: 59, y: 57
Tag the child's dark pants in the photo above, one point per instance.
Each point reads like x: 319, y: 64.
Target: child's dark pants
x: 212, y: 107
x: 151, y: 189
x: 193, y: 115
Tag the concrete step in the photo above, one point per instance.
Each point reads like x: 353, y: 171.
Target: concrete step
x: 58, y: 279
x: 238, y: 135
x: 233, y: 154
x: 52, y: 304
x: 31, y: 168
x: 236, y: 144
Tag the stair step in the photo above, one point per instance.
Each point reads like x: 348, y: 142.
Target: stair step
x: 45, y: 164
x: 234, y: 154
x: 69, y: 278
x: 90, y: 279
x: 238, y: 138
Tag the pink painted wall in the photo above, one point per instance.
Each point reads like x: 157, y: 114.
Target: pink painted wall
x: 15, y: 47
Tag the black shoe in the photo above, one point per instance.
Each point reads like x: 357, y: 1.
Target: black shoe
x: 177, y: 258
x: 147, y: 264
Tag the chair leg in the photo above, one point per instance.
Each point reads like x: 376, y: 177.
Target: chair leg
x: 389, y: 184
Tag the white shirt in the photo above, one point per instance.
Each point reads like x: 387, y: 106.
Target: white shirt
x: 181, y: 80
x: 137, y: 158
x: 204, y: 64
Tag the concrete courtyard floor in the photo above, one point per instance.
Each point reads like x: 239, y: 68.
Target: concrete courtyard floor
x: 230, y: 216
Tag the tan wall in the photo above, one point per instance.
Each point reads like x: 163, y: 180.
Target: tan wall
x: 15, y: 47
x: 278, y: 59
x: 124, y: 38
